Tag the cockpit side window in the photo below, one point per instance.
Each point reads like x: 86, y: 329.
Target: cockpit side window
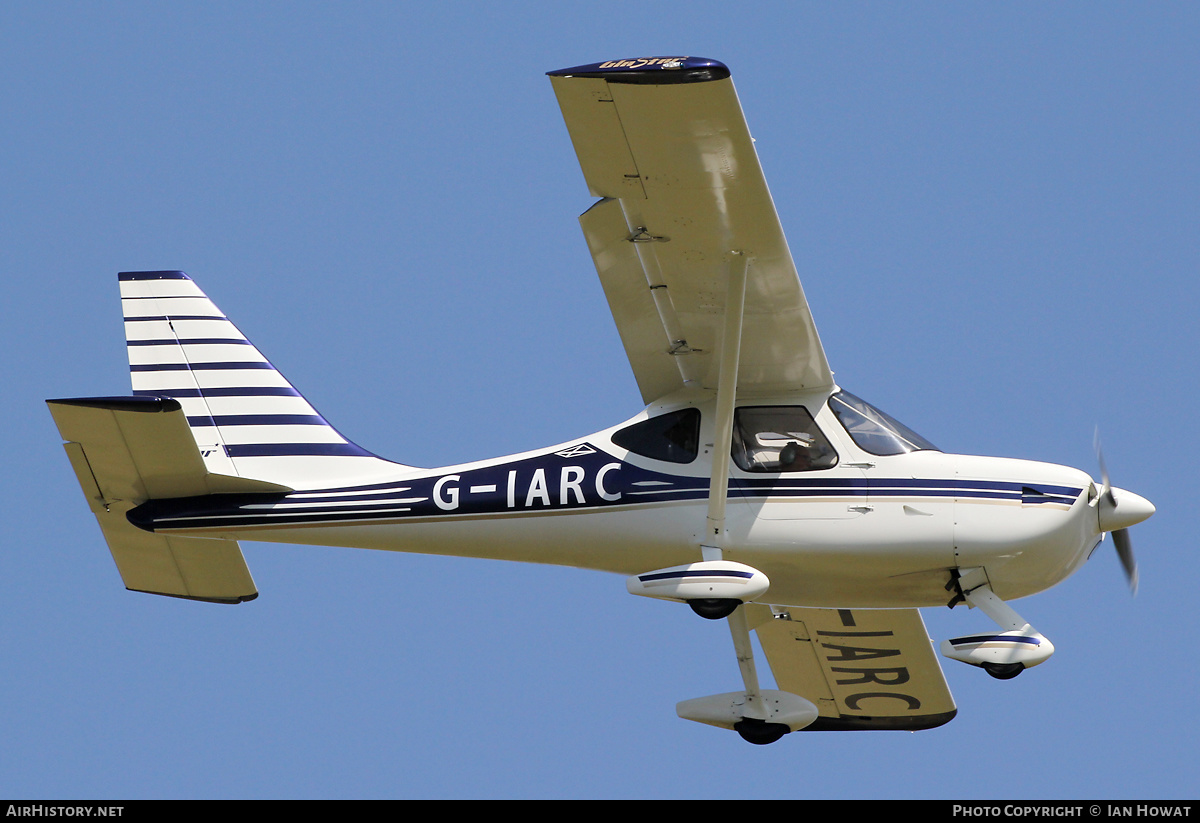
x: 673, y: 437
x: 779, y: 439
x: 874, y: 431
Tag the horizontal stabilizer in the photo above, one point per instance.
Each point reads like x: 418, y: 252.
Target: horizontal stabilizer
x: 194, y: 568
x: 126, y: 450
x: 141, y: 448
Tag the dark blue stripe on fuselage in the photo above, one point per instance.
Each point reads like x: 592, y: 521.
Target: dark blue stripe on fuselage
x: 297, y: 450
x: 545, y: 483
x: 994, y: 485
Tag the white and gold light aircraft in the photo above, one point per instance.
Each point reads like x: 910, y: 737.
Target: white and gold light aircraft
x: 751, y: 487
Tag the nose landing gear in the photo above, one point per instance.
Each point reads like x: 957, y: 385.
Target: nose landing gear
x: 1005, y: 655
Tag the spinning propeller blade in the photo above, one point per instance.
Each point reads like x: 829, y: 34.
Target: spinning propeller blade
x: 1125, y: 553
x: 1106, y: 489
x: 1132, y: 509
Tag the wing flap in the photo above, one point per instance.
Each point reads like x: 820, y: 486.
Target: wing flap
x: 644, y: 329
x: 141, y: 448
x: 864, y: 669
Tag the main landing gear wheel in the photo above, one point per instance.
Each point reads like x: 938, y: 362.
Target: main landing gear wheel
x: 714, y: 608
x: 760, y: 732
x: 1004, y: 671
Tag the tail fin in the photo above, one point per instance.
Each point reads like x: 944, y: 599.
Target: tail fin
x: 246, y: 418
x: 210, y: 416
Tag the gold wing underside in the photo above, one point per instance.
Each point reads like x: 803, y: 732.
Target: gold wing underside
x: 682, y: 193
x: 863, y: 668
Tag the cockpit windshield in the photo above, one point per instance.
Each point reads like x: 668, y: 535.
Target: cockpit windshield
x: 874, y: 431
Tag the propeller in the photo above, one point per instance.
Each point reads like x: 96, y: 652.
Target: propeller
x: 1125, y: 553
x: 1117, y: 511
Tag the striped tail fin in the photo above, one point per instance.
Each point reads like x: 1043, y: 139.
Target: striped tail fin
x: 247, y: 419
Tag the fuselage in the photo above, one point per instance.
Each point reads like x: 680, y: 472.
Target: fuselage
x: 841, y: 526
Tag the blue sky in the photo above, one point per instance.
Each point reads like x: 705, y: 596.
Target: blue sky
x: 994, y: 211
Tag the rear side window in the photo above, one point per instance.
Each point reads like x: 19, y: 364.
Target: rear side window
x: 673, y: 437
x: 779, y: 439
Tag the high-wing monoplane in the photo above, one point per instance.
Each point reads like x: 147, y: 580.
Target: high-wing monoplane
x: 751, y: 487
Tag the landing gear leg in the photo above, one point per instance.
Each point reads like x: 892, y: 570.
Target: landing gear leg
x: 759, y: 716
x: 1005, y: 655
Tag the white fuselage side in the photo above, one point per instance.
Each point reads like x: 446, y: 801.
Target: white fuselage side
x: 870, y: 531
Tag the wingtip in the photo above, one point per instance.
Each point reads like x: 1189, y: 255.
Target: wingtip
x: 650, y: 70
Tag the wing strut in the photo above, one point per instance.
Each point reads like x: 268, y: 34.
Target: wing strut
x: 716, y: 588
x: 731, y: 347
x: 739, y: 628
x: 718, y: 487
x: 753, y: 721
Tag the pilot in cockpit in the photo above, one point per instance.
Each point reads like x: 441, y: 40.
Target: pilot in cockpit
x: 787, y: 452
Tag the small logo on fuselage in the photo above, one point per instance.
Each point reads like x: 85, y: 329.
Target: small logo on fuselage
x: 576, y: 451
